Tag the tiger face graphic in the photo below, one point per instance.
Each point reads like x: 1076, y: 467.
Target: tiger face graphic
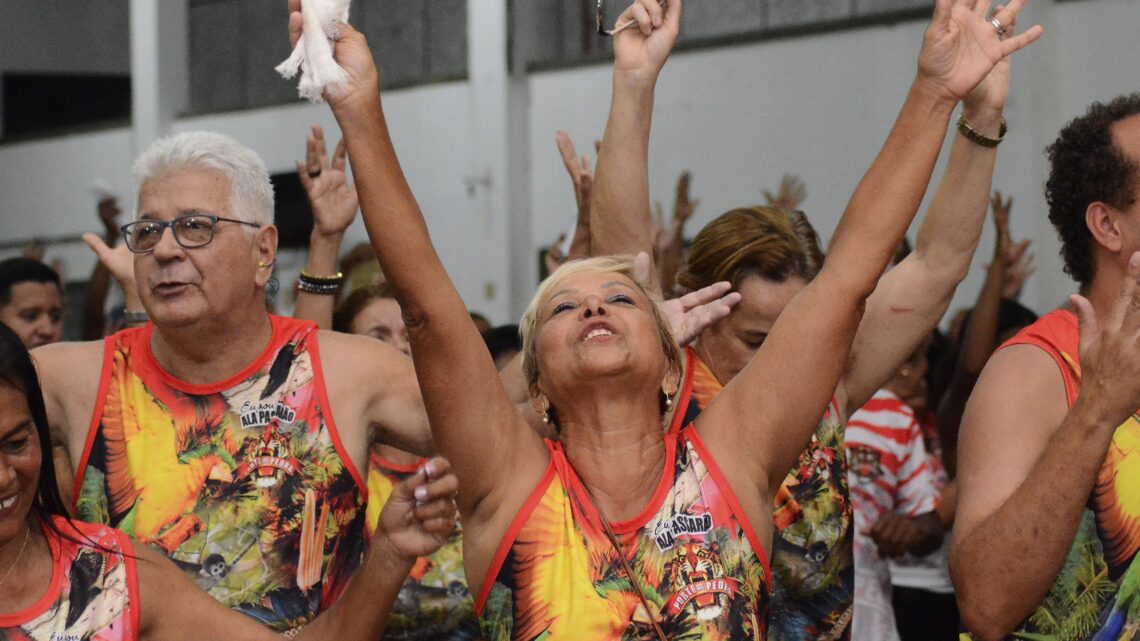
x: 696, y: 568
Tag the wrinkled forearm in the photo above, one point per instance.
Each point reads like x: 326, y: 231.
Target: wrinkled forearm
x: 949, y: 233
x: 1003, y: 567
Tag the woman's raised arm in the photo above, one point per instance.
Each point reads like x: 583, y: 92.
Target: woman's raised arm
x: 474, y: 424
x: 773, y: 406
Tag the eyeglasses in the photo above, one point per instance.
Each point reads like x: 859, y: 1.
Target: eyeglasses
x: 190, y: 231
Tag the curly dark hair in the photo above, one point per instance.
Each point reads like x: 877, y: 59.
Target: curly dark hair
x: 1086, y: 168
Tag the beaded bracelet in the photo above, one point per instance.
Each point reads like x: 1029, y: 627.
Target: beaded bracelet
x: 323, y: 285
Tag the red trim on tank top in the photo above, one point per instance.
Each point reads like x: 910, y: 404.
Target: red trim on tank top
x: 109, y: 346
x: 574, y: 484
x: 392, y: 466
x: 513, y: 532
x: 278, y: 325
x: 313, y: 343
x: 733, y: 504
x: 55, y: 585
x: 1035, y: 335
x: 681, y: 403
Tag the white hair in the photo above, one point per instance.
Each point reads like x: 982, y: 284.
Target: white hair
x: 252, y: 193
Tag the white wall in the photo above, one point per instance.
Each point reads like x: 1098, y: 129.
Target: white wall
x: 820, y: 107
x: 738, y: 117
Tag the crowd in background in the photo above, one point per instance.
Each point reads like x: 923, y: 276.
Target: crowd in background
x: 725, y: 434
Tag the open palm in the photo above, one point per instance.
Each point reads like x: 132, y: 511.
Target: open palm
x: 961, y: 47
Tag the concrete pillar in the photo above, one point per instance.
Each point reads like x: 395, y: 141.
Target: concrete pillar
x: 160, y: 68
x: 499, y: 168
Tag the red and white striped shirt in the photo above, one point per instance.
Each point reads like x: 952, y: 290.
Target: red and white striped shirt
x: 887, y: 471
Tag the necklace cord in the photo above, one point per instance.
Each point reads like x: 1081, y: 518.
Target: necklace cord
x: 27, y: 534
x: 618, y: 551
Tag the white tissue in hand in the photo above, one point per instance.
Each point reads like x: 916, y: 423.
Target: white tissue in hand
x: 313, y: 55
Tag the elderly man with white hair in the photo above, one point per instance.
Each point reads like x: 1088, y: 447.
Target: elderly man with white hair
x: 231, y: 439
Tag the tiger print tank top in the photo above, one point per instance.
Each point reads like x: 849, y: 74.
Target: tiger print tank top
x: 243, y: 483
x: 813, y: 566
x: 697, y: 561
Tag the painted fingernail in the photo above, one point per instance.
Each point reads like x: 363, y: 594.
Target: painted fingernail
x: 1135, y: 260
x: 421, y: 493
x: 428, y: 470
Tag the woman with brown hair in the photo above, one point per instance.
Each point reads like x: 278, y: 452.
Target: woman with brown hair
x: 770, y: 255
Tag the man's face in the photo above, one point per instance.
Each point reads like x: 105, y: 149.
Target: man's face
x: 35, y: 312
x: 181, y: 286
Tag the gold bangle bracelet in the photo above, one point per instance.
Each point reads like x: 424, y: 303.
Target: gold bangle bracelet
x: 334, y: 280
x: 974, y: 136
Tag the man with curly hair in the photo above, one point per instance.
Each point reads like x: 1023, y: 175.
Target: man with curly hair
x: 1048, y: 520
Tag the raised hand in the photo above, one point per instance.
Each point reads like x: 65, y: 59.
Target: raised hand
x: 554, y: 256
x: 581, y: 174
x: 683, y: 204
x: 108, y: 210
x: 962, y: 46
x: 1002, y: 210
x: 118, y: 260
x: 792, y: 192
x: 642, y: 49
x: 420, y: 515
x: 1016, y: 262
x: 1018, y: 267
x: 1110, y: 352
x: 582, y: 177
x: 351, y: 53
x: 333, y: 200
x: 690, y: 314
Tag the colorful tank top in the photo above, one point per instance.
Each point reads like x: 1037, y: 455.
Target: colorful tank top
x: 1097, y: 593
x: 244, y: 483
x: 93, y: 593
x: 434, y: 603
x: 813, y: 565
x: 702, y: 570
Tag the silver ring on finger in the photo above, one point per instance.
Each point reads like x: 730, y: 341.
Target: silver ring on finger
x: 998, y: 26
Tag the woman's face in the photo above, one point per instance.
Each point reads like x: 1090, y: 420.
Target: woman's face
x: 35, y: 313
x: 597, y: 326
x: 729, y: 345
x: 382, y: 319
x: 19, y: 462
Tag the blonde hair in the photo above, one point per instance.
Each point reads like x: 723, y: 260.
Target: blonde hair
x: 604, y: 264
x: 769, y: 242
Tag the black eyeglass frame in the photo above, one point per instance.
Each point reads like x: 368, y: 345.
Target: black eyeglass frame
x: 163, y: 224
